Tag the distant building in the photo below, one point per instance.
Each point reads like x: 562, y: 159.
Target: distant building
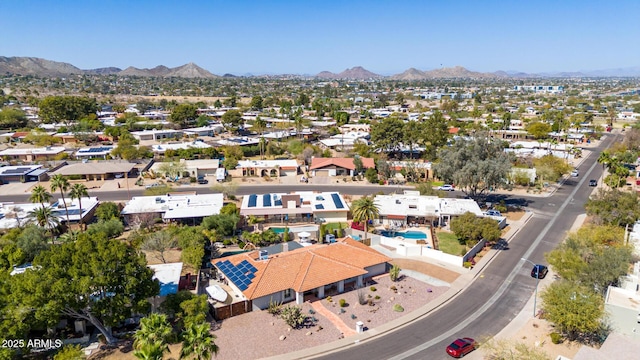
x: 545, y: 89
x: 32, y: 154
x: 157, y: 134
x: 623, y: 304
x: 188, y: 209
x: 301, y: 206
x: 25, y: 173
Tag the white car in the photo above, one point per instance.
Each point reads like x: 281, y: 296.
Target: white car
x: 446, y: 187
x: 575, y: 173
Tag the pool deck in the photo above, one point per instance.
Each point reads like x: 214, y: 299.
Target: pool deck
x: 423, y: 229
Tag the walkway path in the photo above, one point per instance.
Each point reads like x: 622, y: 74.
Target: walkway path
x: 335, y: 319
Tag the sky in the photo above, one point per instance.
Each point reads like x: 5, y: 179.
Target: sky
x: 307, y: 36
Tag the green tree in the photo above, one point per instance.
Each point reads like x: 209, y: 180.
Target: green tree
x: 256, y: 103
x: 575, y: 310
x: 435, y: 132
x: 56, y: 109
x: 260, y: 125
x: 388, y: 134
x: 194, y: 310
x: 221, y: 223
x: 152, y: 351
x: 40, y: 195
x: 198, y: 342
x: 93, y: 279
x: 111, y: 228
x: 70, y: 352
x: 613, y: 207
x: 184, y: 114
x: 363, y: 211
x: 107, y: 211
x: 59, y: 182
x: 371, y: 175
x: 231, y: 120
x: 43, y: 217
x: 475, y: 166
x: 539, y: 130
x: 172, y: 170
x: 78, y: 191
x: 31, y: 241
x: 11, y: 118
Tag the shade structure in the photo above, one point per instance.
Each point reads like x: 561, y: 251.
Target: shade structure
x: 217, y: 293
x: 304, y: 234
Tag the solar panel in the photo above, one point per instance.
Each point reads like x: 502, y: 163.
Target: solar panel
x: 252, y: 200
x: 337, y: 201
x: 278, y: 202
x: 319, y: 206
x: 252, y: 268
x: 251, y: 275
x: 266, y: 200
x: 243, y: 287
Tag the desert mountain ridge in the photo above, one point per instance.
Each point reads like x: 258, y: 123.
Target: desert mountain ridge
x: 43, y: 67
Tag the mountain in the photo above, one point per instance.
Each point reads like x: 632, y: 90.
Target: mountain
x: 357, y: 73
x: 618, y: 72
x: 443, y: 73
x: 410, y: 74
x: 190, y: 70
x: 158, y: 71
x: 36, y: 66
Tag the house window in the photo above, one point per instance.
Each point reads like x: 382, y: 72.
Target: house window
x: 287, y: 293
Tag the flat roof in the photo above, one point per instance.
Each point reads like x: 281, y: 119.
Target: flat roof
x: 176, y: 206
x: 184, y: 145
x: 310, y: 203
x: 413, y: 204
x: 50, y: 150
x: 270, y: 164
x: 95, y: 168
x: 168, y: 275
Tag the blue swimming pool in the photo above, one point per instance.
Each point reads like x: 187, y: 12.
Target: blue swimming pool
x: 405, y: 234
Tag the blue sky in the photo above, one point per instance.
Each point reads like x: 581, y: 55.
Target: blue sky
x: 306, y: 37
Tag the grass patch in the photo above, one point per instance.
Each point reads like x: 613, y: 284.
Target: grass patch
x: 331, y: 227
x: 449, y: 243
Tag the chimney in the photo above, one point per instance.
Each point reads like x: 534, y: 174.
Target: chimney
x: 285, y: 246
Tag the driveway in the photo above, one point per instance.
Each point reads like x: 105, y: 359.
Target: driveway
x: 17, y: 188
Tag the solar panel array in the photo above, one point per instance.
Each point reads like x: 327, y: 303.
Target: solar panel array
x: 266, y: 200
x: 252, y: 200
x: 16, y: 171
x: 95, y: 150
x: 337, y: 201
x: 241, y: 274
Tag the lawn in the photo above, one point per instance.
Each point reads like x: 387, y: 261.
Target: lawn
x: 449, y: 243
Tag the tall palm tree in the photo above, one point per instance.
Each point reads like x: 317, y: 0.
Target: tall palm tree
x: 43, y: 217
x: 59, y: 182
x: 78, y: 191
x: 152, y: 351
x: 198, y: 342
x: 365, y: 210
x: 154, y: 329
x: 260, y: 124
x: 605, y: 159
x: 40, y: 195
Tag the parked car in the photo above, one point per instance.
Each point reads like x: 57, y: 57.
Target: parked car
x: 151, y: 186
x: 202, y: 180
x: 539, y: 271
x: 593, y: 182
x: 446, y: 187
x: 575, y: 173
x: 461, y: 347
x: 493, y: 213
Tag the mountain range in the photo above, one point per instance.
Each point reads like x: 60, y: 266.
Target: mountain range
x: 43, y: 67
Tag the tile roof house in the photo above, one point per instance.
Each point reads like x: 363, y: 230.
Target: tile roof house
x: 337, y: 166
x: 311, y: 270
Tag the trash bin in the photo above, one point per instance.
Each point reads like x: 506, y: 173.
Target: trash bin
x: 359, y: 326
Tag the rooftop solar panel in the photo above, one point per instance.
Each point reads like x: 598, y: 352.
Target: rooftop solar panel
x: 252, y: 268
x: 278, y: 202
x: 319, y: 206
x: 251, y: 275
x: 337, y: 201
x: 266, y: 200
x: 252, y: 200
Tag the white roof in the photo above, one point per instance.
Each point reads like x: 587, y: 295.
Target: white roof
x: 414, y: 204
x: 13, y: 170
x: 169, y: 277
x: 241, y: 140
x: 176, y: 206
x: 311, y: 203
x: 267, y: 164
x: 208, y: 128
x: 49, y: 150
x: 184, y: 145
x: 155, y: 131
x: 11, y: 214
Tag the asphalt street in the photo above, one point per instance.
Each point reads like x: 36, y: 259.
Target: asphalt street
x: 502, y: 288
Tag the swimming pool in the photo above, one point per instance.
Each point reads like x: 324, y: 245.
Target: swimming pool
x: 405, y: 234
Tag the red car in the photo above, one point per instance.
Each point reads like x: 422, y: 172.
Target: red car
x: 461, y: 347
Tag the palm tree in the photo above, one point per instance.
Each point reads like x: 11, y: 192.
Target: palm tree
x: 43, y: 217
x: 78, y: 191
x: 59, y: 182
x: 365, y: 210
x: 260, y: 124
x: 154, y: 329
x: 40, y: 195
x: 152, y: 351
x: 198, y: 342
x: 604, y: 159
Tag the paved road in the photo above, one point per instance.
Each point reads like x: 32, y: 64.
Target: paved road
x: 500, y: 291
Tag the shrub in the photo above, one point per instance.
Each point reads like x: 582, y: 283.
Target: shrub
x: 556, y: 338
x: 329, y: 299
x: 393, y: 288
x: 353, y: 316
x: 467, y: 264
x: 274, y: 307
x: 377, y: 297
x: 398, y: 308
x: 373, y: 288
x: 293, y: 316
x: 342, y: 302
x: 394, y: 273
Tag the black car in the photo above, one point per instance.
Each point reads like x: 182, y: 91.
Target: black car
x: 202, y: 180
x: 539, y: 271
x: 593, y: 182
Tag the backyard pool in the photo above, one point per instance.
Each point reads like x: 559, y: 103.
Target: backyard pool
x: 405, y: 234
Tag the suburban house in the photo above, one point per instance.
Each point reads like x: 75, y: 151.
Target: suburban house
x: 209, y: 130
x: 94, y: 152
x: 623, y: 304
x: 160, y: 149
x: 195, y: 168
x: 337, y: 166
x: 318, y: 270
x: 296, y: 207
x: 157, y: 134
x: 189, y: 209
x: 398, y: 210
x: 32, y: 154
x: 15, y: 215
x: 346, y: 140
x: 98, y: 170
x: 422, y: 168
x: 272, y: 168
x: 22, y: 173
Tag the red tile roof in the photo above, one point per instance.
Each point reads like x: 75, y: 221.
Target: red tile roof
x: 347, y: 163
x: 309, y: 267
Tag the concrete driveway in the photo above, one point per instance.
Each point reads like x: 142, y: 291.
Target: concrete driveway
x: 17, y: 188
